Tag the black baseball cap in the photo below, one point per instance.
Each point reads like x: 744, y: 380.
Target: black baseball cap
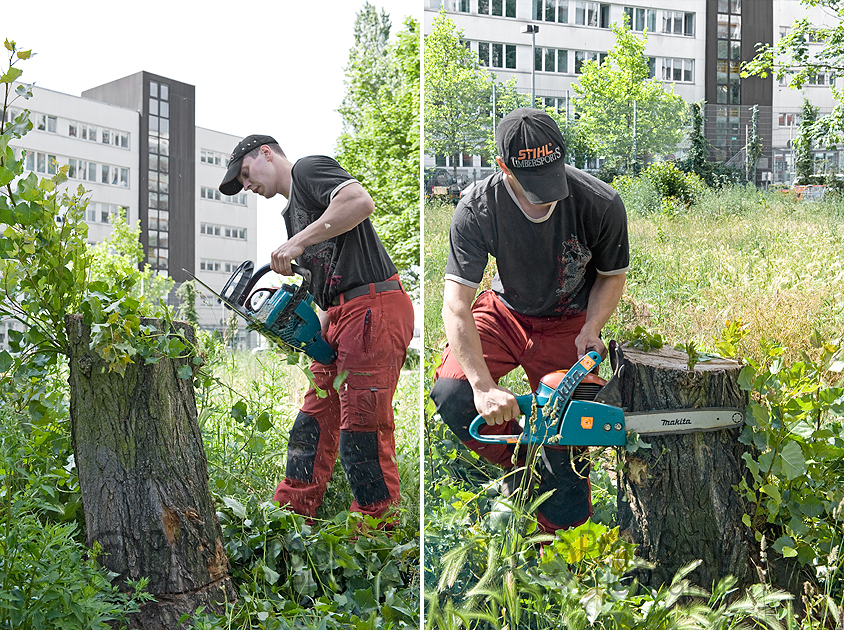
x: 230, y: 185
x: 530, y: 145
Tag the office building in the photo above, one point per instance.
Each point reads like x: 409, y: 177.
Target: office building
x: 695, y: 45
x: 134, y: 144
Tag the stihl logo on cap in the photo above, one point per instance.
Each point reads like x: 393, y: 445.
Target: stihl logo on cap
x: 539, y: 156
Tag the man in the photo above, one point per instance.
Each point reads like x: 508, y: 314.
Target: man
x: 365, y: 314
x: 559, y: 237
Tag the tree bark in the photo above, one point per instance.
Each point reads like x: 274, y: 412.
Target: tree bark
x: 144, y: 480
x: 676, y: 500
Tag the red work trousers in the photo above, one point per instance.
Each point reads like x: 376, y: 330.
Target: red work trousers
x: 540, y: 345
x: 371, y: 334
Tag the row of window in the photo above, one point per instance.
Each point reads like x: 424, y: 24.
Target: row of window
x: 557, y: 60
x: 577, y: 12
x: 217, y: 265
x: 93, y: 133
x: 109, y: 174
x: 75, y: 129
x: 102, y: 212
x: 226, y: 231
x: 670, y: 22
x: 501, y: 8
x: 215, y: 195
x: 214, y: 158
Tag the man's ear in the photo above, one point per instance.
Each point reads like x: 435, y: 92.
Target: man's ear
x: 267, y: 152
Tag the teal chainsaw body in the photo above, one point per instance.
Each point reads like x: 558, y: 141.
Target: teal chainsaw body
x: 284, y: 315
x: 551, y: 416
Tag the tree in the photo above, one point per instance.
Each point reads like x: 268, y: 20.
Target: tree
x: 791, y: 60
x: 804, y: 163
x: 457, y: 94
x: 753, y: 150
x: 714, y: 174
x: 380, y: 142
x: 626, y: 115
x: 121, y: 255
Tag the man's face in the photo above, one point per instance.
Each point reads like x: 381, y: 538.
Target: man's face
x: 258, y: 175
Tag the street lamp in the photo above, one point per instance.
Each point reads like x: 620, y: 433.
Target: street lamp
x: 533, y: 29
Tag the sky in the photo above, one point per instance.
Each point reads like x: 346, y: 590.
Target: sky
x: 259, y: 66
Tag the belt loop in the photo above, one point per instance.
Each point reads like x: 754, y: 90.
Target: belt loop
x: 372, y: 290
x: 342, y: 299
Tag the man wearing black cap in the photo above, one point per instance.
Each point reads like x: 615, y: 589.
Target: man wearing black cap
x: 366, y: 317
x: 559, y: 238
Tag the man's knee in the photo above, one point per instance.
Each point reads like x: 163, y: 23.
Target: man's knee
x: 455, y: 404
x: 359, y: 454
x: 302, y: 448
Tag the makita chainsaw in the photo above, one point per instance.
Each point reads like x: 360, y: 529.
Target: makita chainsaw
x: 576, y: 407
x: 284, y: 315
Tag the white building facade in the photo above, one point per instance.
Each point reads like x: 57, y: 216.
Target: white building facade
x: 696, y: 46
x: 160, y: 168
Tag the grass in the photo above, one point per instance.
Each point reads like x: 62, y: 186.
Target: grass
x: 765, y: 259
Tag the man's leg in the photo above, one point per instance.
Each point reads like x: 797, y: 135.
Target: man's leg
x: 374, y: 332
x: 503, y: 340
x: 312, y: 446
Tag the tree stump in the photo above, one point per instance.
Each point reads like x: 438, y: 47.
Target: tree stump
x: 676, y: 500
x: 144, y: 480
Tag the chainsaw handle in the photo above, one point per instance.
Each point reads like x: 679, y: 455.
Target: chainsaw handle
x: 525, y: 406
x: 306, y: 278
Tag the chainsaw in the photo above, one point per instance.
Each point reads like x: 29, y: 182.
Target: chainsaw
x: 284, y: 315
x: 576, y: 407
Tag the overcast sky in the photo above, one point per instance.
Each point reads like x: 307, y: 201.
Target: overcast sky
x: 261, y: 66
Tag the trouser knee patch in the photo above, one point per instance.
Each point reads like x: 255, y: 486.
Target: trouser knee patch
x: 359, y: 456
x: 455, y: 404
x: 302, y: 448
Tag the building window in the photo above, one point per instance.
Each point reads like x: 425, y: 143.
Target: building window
x: 586, y: 13
x: 215, y: 158
x: 551, y: 10
x: 641, y: 19
x: 43, y: 122
x: 501, y: 8
x: 493, y: 55
x: 678, y: 70
x: 551, y: 60
x: 41, y: 162
x: 678, y: 23
x: 581, y: 56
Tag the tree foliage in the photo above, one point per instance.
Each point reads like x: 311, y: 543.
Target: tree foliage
x: 793, y: 60
x: 804, y: 164
x: 457, y: 93
x: 380, y: 142
x: 626, y: 115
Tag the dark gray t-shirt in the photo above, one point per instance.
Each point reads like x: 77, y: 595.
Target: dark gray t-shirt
x: 546, y: 267
x: 344, y: 262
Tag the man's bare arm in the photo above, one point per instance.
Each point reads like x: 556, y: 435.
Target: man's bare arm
x: 350, y: 206
x: 603, y: 300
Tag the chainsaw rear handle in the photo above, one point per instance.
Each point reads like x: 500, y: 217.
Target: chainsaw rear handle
x: 556, y: 399
x: 525, y: 406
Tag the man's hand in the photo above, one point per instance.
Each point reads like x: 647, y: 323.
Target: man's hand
x: 497, y: 405
x: 588, y: 340
x: 282, y: 258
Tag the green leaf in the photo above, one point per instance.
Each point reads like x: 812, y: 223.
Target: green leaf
x: 269, y: 575
x: 184, y: 372
x: 784, y: 545
x: 235, y: 506
x: 264, y: 422
x: 792, y: 461
x: 772, y: 492
x: 11, y: 75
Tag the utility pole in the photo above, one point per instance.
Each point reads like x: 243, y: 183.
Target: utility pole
x: 533, y: 29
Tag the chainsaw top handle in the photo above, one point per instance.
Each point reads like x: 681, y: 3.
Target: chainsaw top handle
x: 550, y: 407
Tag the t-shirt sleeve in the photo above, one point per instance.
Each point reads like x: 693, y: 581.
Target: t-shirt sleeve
x: 467, y: 252
x: 321, y: 178
x: 611, y: 254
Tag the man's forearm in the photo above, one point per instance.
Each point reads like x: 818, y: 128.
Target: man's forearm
x: 465, y: 343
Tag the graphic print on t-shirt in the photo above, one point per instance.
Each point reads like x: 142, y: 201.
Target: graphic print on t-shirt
x: 572, y: 274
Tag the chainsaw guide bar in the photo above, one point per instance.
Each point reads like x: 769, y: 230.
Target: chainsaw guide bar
x: 553, y: 414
